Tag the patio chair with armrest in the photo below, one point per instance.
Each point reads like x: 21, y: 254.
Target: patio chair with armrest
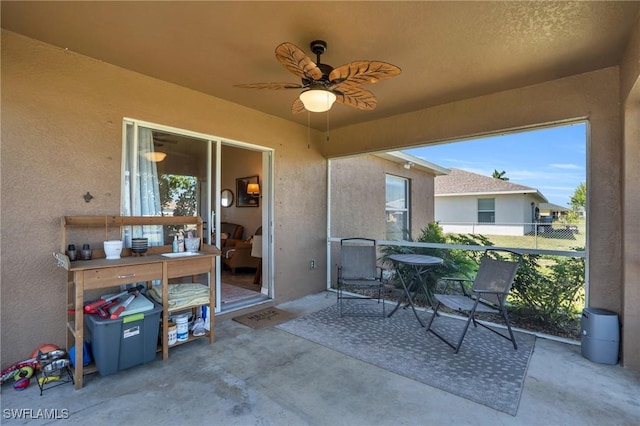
x: 359, y: 277
x: 488, y: 294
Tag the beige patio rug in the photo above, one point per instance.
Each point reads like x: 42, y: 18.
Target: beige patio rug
x: 486, y: 370
x: 265, y: 317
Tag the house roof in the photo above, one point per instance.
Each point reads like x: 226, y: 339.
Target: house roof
x: 447, y: 50
x: 553, y: 207
x: 461, y: 182
x: 411, y: 161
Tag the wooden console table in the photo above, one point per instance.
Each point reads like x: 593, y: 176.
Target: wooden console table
x: 100, y: 273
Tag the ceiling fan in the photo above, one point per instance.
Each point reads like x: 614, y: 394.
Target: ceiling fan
x: 323, y: 85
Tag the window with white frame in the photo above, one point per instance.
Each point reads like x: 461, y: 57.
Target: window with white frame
x: 397, y: 207
x: 486, y: 210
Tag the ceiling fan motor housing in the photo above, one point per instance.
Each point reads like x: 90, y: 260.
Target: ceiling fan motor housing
x: 318, y: 47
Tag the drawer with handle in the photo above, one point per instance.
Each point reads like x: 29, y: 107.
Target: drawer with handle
x: 104, y: 277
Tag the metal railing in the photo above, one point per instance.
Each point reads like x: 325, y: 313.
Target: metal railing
x: 572, y: 291
x: 523, y: 250
x: 545, y: 235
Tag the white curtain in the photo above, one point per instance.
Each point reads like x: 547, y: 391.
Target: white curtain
x: 141, y: 191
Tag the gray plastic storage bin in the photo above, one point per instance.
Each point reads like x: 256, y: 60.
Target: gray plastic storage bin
x: 600, y: 335
x: 124, y: 342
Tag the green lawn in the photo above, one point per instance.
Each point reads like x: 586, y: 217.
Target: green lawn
x: 559, y: 238
x: 543, y: 241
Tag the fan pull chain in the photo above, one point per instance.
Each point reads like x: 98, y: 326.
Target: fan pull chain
x: 308, y: 130
x: 327, y: 126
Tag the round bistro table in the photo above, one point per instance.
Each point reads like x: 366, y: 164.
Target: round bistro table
x: 419, y: 265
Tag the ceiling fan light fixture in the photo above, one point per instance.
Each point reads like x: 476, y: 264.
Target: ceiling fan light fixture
x: 317, y: 100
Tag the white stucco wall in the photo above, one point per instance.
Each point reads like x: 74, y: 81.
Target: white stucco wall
x: 459, y: 214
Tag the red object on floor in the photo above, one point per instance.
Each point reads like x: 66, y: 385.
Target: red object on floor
x: 47, y: 347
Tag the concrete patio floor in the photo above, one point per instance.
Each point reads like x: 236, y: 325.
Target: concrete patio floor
x: 270, y: 377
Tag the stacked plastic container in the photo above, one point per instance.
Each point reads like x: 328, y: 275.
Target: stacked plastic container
x: 125, y: 342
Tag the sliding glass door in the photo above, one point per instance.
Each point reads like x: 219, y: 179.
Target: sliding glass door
x: 175, y: 172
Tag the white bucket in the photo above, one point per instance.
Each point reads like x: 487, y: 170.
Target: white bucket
x: 182, y: 327
x: 172, y: 334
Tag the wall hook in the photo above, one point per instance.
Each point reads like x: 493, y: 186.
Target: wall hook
x: 87, y: 197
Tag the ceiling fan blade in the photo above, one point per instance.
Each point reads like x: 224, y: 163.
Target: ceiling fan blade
x: 297, y: 106
x: 272, y: 86
x: 363, y: 72
x: 295, y: 60
x: 164, y: 138
x: 356, y: 97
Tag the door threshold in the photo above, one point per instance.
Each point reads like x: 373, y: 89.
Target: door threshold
x: 241, y: 304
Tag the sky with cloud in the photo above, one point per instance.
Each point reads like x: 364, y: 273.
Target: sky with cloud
x: 552, y: 160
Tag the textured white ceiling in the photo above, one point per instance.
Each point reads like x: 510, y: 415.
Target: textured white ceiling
x: 447, y: 50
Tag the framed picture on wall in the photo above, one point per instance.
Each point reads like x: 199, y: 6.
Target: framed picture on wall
x: 248, y: 192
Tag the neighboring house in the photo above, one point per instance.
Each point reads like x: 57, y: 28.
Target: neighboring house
x: 381, y: 196
x: 582, y: 212
x: 467, y: 202
x: 553, y: 211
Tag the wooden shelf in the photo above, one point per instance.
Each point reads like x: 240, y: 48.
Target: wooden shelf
x: 191, y: 338
x: 108, y: 222
x: 100, y: 273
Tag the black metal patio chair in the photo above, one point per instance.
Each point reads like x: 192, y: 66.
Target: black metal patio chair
x: 359, y: 276
x: 488, y: 294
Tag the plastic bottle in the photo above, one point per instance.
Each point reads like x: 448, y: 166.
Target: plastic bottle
x: 174, y: 246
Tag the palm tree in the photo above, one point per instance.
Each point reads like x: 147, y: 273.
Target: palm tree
x: 499, y: 175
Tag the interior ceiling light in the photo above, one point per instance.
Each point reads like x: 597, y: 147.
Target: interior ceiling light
x: 155, y: 156
x: 317, y: 100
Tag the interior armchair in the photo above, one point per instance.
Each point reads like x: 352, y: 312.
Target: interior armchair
x: 237, y: 254
x: 233, y: 233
